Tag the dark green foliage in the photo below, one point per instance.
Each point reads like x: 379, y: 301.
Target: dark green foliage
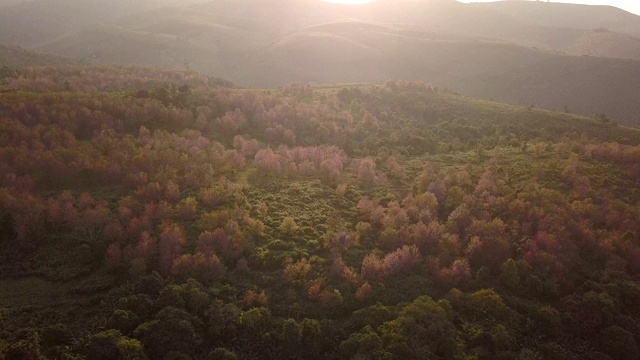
x: 24, y: 345
x: 366, y: 343
x: 618, y: 343
x: 56, y: 335
x: 170, y: 333
x: 123, y: 320
x: 222, y: 354
x: 110, y: 344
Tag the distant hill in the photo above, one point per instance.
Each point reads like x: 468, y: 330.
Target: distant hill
x: 573, y: 36
x: 11, y: 2
x: 582, y: 58
x: 34, y: 22
x: 585, y: 85
x: 353, y: 51
x: 16, y: 57
x: 553, y: 26
x: 574, y: 16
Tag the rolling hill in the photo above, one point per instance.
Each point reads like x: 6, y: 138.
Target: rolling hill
x: 556, y: 56
x: 34, y: 22
x: 16, y: 57
x: 569, y: 16
x: 502, y: 71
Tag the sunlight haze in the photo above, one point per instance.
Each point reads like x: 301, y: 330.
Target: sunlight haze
x: 632, y: 6
x: 349, y: 2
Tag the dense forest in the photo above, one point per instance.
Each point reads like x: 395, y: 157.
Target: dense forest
x: 160, y: 214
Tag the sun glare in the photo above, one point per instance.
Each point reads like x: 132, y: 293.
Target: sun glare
x: 350, y: 2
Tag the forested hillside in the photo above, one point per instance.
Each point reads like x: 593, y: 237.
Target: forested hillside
x: 159, y: 214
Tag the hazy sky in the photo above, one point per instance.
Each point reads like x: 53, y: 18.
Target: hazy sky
x: 629, y: 5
